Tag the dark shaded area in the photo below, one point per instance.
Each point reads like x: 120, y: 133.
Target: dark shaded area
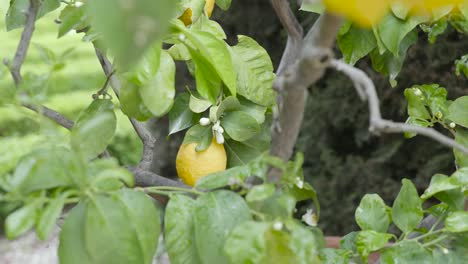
x: 343, y: 161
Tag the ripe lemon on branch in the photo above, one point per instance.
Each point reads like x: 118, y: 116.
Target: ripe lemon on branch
x: 192, y: 165
x: 186, y: 17
x: 369, y: 12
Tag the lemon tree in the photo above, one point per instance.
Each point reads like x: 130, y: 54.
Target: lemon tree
x: 234, y: 202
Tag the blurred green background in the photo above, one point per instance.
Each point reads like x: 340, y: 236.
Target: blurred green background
x: 68, y: 90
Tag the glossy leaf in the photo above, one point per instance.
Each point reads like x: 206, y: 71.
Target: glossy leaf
x: 369, y: 241
x: 260, y: 192
x: 122, y: 228
x: 457, y: 222
x: 458, y: 111
x: 131, y: 102
x: 408, y: 252
x: 223, y: 178
x: 180, y: 230
x: 72, y: 17
x: 21, y: 220
x: 180, y: 116
x: 461, y: 136
x: 47, y: 168
x: 372, y: 214
x: 407, y: 210
x: 216, y: 214
x: 48, y: 217
x: 356, y: 43
x: 239, y: 125
x: 439, y: 183
x: 94, y: 129
x: 254, y: 71
x: 16, y: 15
x: 129, y: 28
x: 158, y: 94
x: 198, y: 105
x: 202, y: 135
x: 335, y: 256
x: 416, y: 104
x: 246, y: 243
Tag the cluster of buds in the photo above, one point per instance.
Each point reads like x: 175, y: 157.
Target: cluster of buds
x: 217, y: 129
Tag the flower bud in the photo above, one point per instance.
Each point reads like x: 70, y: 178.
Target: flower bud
x: 452, y: 125
x: 278, y: 226
x: 204, y: 121
x: 417, y: 92
x: 181, y: 37
x: 78, y: 4
x: 219, y: 137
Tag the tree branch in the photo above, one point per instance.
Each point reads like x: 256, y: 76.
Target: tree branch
x: 379, y: 125
x: 145, y: 135
x: 295, y: 33
x: 51, y: 114
x: 292, y: 83
x: 22, y: 50
x: 145, y: 178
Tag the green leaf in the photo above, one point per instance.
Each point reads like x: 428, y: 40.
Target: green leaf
x: 246, y: 243
x: 208, y: 25
x: 254, y: 110
x: 435, y: 29
x: 277, y: 248
x: 208, y: 84
x: 349, y: 241
x: 457, y: 222
x: 112, y: 179
x: 216, y: 54
x: 356, y: 43
x: 224, y: 4
x: 21, y: 220
x: 240, y: 126
x: 72, y: 17
x: 122, y: 228
x: 408, y: 252
x: 461, y: 137
x: 180, y: 116
x: 129, y: 28
x: 393, y: 30
x: 458, y: 111
x: 368, y: 241
x: 223, y: 178
x: 179, y: 230
x: 198, y: 105
x: 407, y: 210
x: 439, y: 183
x: 335, y: 256
x: 462, y: 65
x: 47, y: 168
x: 387, y: 63
x: 158, y: 93
x: 278, y: 206
x: 453, y: 198
x: 254, y: 71
x: 372, y: 214
x: 73, y: 245
x: 460, y: 177
x: 131, y: 102
x: 260, y: 192
x: 48, y: 217
x: 16, y: 15
x: 305, y: 243
x: 312, y: 7
x: 94, y: 129
x: 202, y: 135
x: 216, y: 214
x: 416, y: 104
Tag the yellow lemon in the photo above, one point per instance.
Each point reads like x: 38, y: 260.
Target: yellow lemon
x: 186, y: 17
x: 363, y: 12
x: 192, y: 165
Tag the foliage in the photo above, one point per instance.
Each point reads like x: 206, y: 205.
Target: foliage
x: 242, y: 214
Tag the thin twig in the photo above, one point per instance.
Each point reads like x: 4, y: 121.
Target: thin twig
x: 145, y: 135
x: 295, y: 33
x: 379, y: 125
x: 23, y: 46
x: 51, y: 114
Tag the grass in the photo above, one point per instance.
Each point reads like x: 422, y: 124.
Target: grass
x: 68, y: 91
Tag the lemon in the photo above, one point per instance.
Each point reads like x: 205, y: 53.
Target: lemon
x: 186, y: 17
x: 192, y: 165
x: 363, y: 12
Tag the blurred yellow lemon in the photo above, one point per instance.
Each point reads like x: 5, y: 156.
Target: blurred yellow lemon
x: 192, y: 165
x: 186, y: 17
